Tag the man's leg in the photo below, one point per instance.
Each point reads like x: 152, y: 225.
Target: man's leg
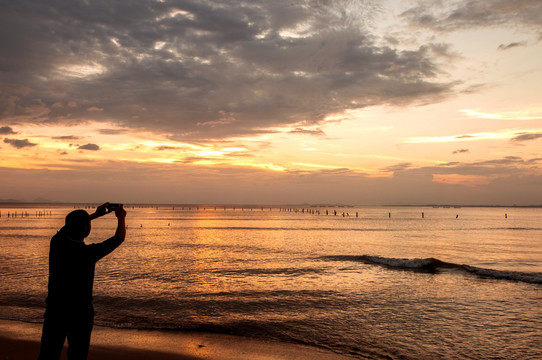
x: 79, y: 335
x: 53, y: 335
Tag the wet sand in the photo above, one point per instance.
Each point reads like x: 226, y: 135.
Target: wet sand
x: 21, y: 341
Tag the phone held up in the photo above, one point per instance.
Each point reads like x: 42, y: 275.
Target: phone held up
x: 112, y: 206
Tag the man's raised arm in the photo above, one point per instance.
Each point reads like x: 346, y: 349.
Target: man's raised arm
x: 104, y: 248
x: 120, y: 213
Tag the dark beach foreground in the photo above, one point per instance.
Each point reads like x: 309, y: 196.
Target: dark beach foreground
x: 19, y: 340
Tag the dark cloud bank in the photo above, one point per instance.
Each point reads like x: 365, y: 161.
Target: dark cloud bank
x: 202, y: 69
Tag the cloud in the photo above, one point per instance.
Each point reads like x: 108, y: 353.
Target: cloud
x: 497, y: 135
x: 172, y: 66
x: 488, y: 168
x: 397, y: 167
x: 66, y: 137
x: 461, y: 151
x: 6, y: 130
x: 92, y: 147
x: 466, y: 14
x: 112, y: 131
x: 511, y: 45
x: 524, y: 114
x: 526, y: 137
x: 495, y: 167
x: 315, y: 132
x: 19, y: 144
x: 165, y: 147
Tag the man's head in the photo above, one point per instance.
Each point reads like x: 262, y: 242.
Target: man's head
x: 78, y: 224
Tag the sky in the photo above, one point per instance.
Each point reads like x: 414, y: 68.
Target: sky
x: 366, y: 102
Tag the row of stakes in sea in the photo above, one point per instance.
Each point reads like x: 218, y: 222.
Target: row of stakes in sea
x: 42, y: 213
x: 23, y: 213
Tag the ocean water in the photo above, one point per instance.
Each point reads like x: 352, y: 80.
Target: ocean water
x: 457, y: 283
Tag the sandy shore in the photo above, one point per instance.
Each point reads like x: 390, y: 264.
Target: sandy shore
x: 20, y: 341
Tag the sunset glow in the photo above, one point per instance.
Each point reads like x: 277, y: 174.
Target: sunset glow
x: 359, y: 102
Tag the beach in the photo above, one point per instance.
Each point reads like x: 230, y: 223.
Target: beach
x: 20, y: 340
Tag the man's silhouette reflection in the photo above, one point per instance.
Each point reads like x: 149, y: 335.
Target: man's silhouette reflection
x: 69, y: 310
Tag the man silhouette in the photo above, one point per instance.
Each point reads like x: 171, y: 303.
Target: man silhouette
x: 69, y: 312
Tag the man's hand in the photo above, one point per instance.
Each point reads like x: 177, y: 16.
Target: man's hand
x: 100, y: 211
x: 120, y: 212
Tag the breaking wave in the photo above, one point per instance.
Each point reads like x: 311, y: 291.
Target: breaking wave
x: 435, y: 265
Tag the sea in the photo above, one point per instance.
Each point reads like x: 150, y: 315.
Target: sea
x: 385, y: 282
